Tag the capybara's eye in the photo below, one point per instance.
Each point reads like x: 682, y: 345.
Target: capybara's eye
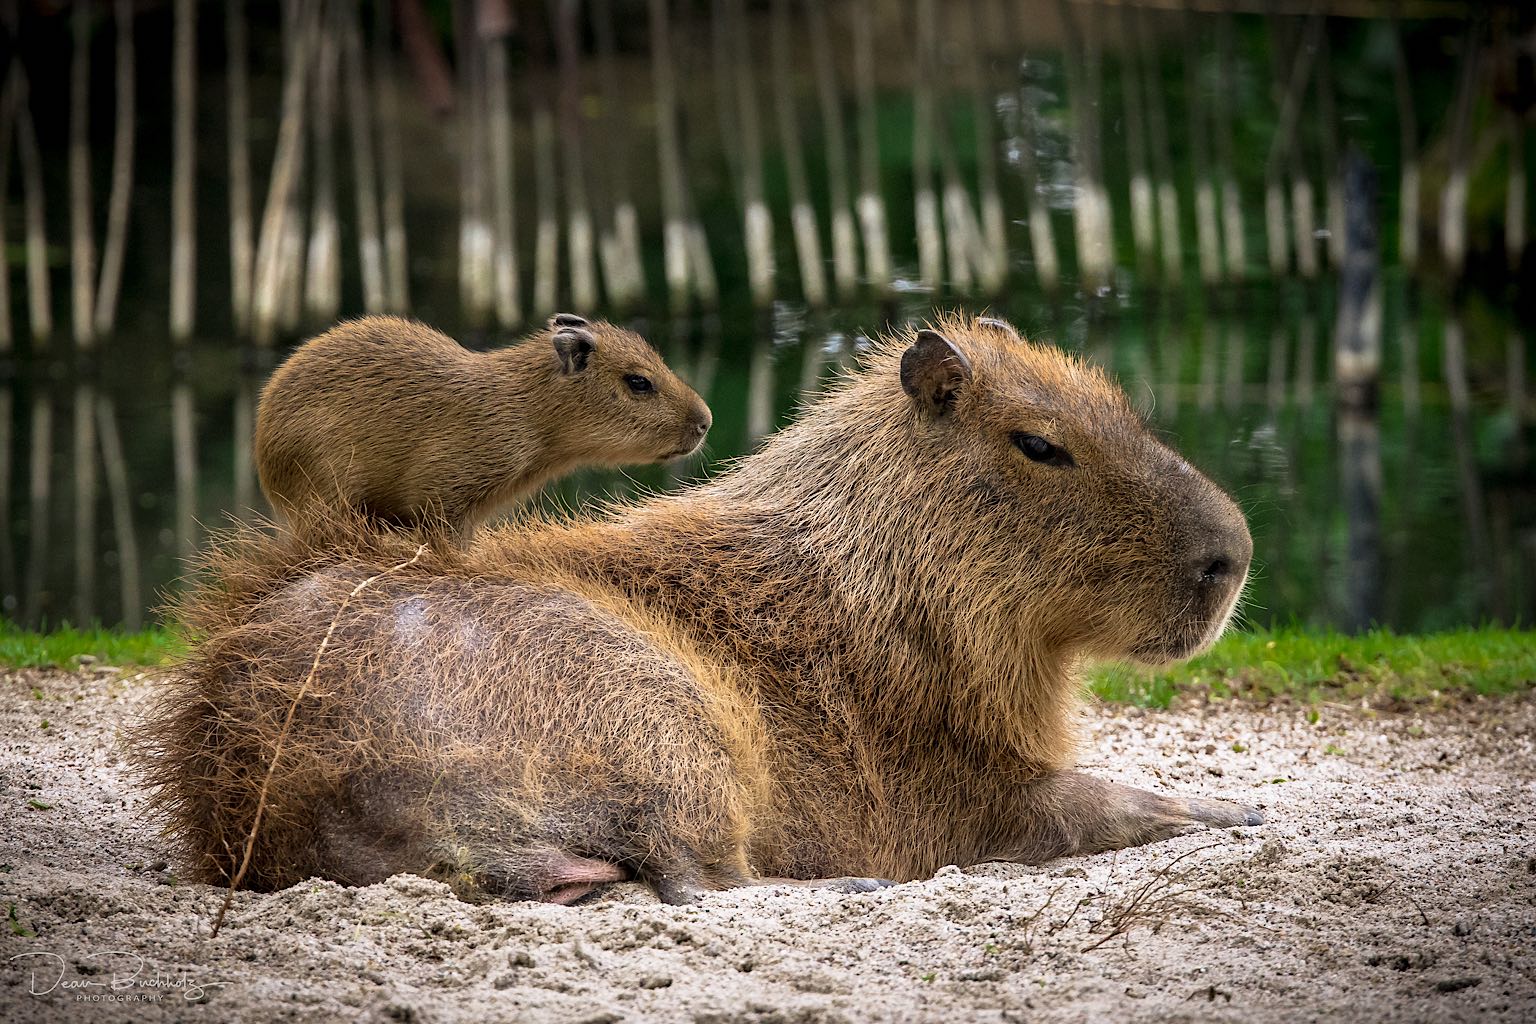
x: 638, y: 384
x: 1038, y: 449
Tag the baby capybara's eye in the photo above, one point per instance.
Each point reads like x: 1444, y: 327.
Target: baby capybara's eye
x: 1038, y: 449
x: 638, y: 384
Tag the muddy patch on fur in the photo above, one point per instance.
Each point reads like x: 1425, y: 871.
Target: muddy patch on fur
x: 1394, y: 878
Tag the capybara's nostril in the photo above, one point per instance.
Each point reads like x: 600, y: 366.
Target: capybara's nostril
x: 1216, y: 569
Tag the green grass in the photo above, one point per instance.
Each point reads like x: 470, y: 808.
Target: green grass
x: 1378, y: 668
x: 62, y: 648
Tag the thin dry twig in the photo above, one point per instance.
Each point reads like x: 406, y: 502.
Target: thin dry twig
x: 1148, y: 903
x: 282, y: 735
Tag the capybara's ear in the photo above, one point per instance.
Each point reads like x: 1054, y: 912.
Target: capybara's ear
x: 933, y: 371
x: 574, y: 346
x: 998, y: 325
x: 560, y: 320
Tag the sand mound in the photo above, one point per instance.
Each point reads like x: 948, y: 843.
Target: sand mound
x: 1395, y: 879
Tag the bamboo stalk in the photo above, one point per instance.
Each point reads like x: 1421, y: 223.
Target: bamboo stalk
x: 930, y: 247
x: 130, y: 586
x: 82, y: 316
x: 813, y: 278
x: 1283, y: 150
x: 322, y: 279
x: 1169, y: 234
x: 116, y: 243
x: 579, y: 231
x: 392, y: 171
x: 758, y: 227
x: 1233, y: 241
x: 287, y: 165
x: 1333, y: 168
x: 1276, y: 224
x: 183, y: 169
x: 845, y: 253
x: 620, y: 251
x: 39, y: 299
x: 1093, y: 75
x: 1207, y: 232
x: 1090, y: 212
x: 509, y: 300
x: 701, y: 266
x: 1143, y: 212
x: 1042, y: 238
x: 1453, y: 200
x: 871, y: 201
x: 290, y: 288
x: 991, y: 246
x: 722, y: 57
x: 546, y: 258
x: 675, y: 229
x: 81, y: 231
x: 1408, y: 144
x: 476, y: 239
x: 365, y: 178
x: 241, y: 243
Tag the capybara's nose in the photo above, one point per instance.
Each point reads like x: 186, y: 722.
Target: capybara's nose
x: 702, y: 420
x: 1225, y: 561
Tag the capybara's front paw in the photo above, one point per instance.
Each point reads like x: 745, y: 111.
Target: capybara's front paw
x: 1220, y: 814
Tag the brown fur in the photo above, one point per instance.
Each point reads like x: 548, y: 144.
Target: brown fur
x: 852, y: 655
x: 399, y: 421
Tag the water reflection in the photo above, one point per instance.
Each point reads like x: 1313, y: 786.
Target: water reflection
x: 1367, y: 513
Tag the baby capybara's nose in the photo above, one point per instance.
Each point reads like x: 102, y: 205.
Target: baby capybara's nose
x: 702, y: 420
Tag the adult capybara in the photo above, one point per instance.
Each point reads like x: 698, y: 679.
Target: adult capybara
x: 398, y: 421
x: 850, y: 656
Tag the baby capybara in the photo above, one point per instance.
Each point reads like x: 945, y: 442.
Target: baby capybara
x: 850, y: 656
x: 395, y: 420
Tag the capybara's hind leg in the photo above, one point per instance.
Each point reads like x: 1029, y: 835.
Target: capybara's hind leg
x: 549, y: 876
x: 1067, y: 813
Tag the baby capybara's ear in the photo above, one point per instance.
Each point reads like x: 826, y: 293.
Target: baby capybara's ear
x: 573, y: 342
x: 560, y: 320
x: 933, y: 371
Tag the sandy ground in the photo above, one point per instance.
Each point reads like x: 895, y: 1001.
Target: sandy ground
x: 1395, y: 879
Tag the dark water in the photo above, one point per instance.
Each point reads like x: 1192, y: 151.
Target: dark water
x: 1418, y: 512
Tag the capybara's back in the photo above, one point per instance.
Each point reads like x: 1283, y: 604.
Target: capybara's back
x: 851, y: 656
x: 392, y: 419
